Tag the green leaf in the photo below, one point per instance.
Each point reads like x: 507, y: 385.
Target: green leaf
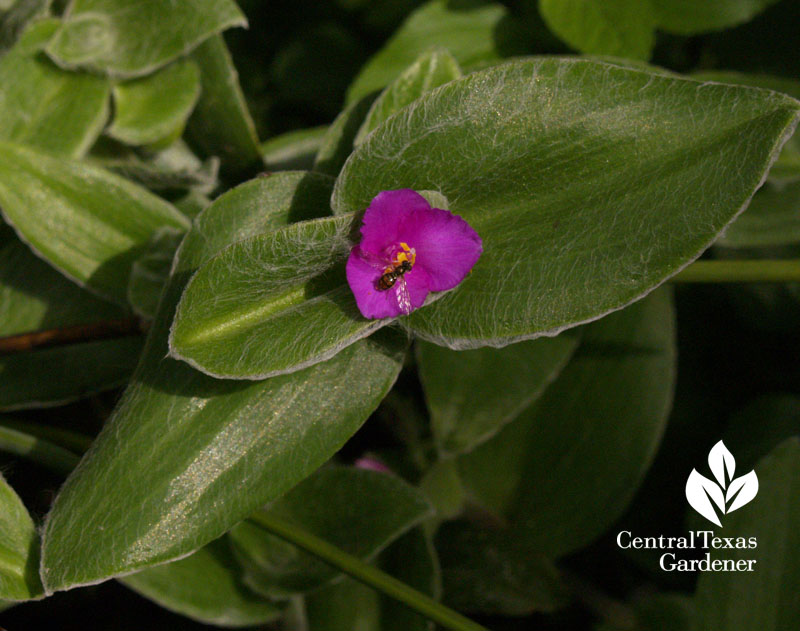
x: 153, y: 108
x: 772, y: 219
x: 344, y: 606
x: 687, y: 17
x: 34, y: 296
x: 221, y: 124
x: 86, y: 222
x: 36, y: 449
x: 469, y: 30
x: 293, y: 150
x: 128, y: 38
x: 432, y: 69
x: 773, y: 518
x: 787, y: 166
x: 205, y: 586
x: 17, y: 17
x: 185, y: 457
x: 271, y: 304
x: 441, y: 484
x: 347, y: 605
x: 625, y: 28
x: 539, y: 153
x: 172, y: 169
x: 192, y: 204
x: 487, y: 571
x: 413, y: 560
x: 337, y: 143
x: 569, y: 465
x: 46, y: 107
x: 54, y: 376
x: 357, y: 510
x: 473, y: 394
x: 150, y: 272
x: 19, y: 549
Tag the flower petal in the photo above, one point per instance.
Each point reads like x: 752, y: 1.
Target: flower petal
x: 416, y: 286
x: 447, y: 247
x: 363, y: 271
x: 385, y: 216
x: 362, y: 276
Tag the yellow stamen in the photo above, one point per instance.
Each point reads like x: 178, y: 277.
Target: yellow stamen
x: 408, y: 254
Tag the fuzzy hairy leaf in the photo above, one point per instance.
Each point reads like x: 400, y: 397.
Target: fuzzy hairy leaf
x: 625, y: 28
x: 205, y: 586
x: 221, y: 124
x: 568, y: 466
x: 131, y: 38
x: 468, y: 31
x: 185, y: 457
x: 590, y: 185
x: 45, y: 107
x: 337, y: 143
x: 472, y: 394
x: 687, y: 17
x: 357, y: 510
x: 787, y: 166
x: 171, y: 169
x: 58, y: 375
x: 156, y: 107
x: 293, y: 150
x: 86, y: 222
x: 271, y: 304
x: 19, y: 548
x: 429, y: 71
x: 149, y: 273
x: 33, y: 296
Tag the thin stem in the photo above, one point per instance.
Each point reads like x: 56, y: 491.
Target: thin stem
x: 35, y: 340
x: 365, y: 573
x: 744, y: 271
x: 38, y: 450
x: 64, y: 438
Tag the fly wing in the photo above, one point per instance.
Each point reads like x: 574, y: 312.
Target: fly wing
x: 403, y: 296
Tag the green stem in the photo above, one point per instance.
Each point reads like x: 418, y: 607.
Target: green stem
x: 64, y: 438
x: 744, y: 271
x: 365, y: 573
x: 38, y: 450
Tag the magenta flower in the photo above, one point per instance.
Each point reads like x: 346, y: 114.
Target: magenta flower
x: 408, y: 250
x: 372, y: 464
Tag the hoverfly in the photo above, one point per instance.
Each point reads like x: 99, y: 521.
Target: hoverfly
x: 394, y: 275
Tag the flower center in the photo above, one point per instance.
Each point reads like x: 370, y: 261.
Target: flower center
x: 404, y: 253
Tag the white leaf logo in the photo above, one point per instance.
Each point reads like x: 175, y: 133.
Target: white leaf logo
x: 721, y: 462
x: 726, y: 494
